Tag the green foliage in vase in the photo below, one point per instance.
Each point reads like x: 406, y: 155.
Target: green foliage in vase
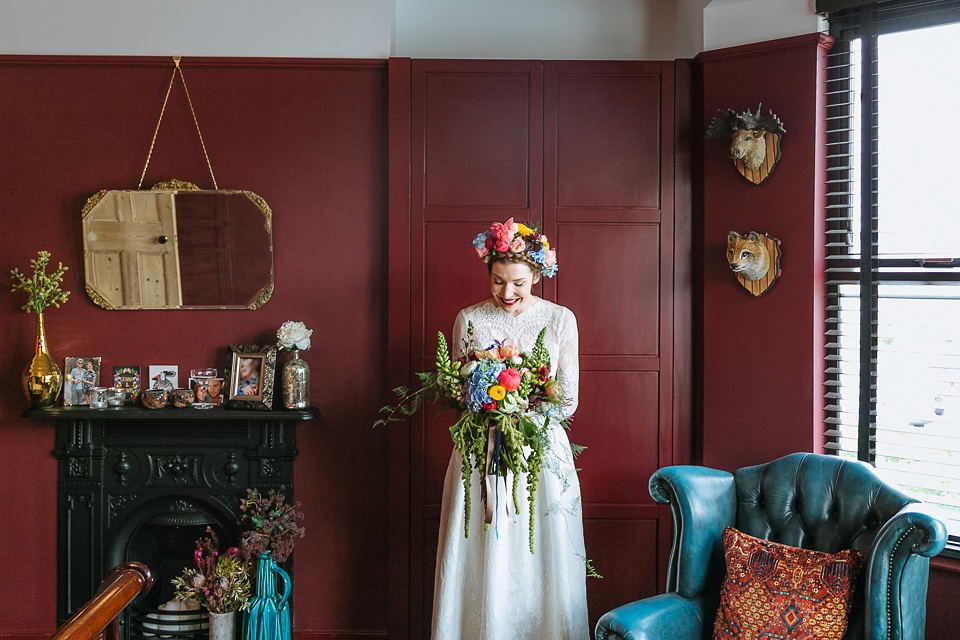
x: 42, y: 288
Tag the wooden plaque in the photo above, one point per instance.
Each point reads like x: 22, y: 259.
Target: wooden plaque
x: 761, y: 173
x: 761, y: 286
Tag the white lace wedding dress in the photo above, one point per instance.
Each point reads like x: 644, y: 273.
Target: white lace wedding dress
x: 489, y: 586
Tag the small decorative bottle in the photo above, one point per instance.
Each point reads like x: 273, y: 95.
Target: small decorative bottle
x: 296, y: 383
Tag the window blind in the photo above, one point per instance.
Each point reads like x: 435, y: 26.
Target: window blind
x: 892, y: 348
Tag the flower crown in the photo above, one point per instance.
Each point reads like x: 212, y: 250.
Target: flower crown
x: 517, y: 240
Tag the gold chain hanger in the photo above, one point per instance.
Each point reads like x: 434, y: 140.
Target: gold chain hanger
x: 176, y: 70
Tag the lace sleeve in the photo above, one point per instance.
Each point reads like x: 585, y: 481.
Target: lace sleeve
x: 568, y: 363
x: 459, y: 335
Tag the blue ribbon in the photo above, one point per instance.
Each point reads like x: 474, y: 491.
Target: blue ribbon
x: 496, y: 483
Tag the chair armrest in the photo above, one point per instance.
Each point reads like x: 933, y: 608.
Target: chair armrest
x: 898, y: 570
x: 703, y: 502
x: 665, y: 617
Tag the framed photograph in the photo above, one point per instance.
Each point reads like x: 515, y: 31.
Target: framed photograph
x: 208, y: 391
x: 250, y: 375
x: 83, y: 373
x: 163, y: 376
x: 127, y: 378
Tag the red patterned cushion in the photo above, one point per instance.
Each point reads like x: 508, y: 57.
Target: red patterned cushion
x: 775, y: 591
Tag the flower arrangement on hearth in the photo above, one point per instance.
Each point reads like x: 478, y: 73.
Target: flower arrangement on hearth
x: 506, y: 399
x: 219, y: 583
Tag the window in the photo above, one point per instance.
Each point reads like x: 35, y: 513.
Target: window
x: 892, y: 358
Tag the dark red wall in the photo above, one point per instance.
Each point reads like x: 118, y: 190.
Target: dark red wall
x: 308, y: 136
x: 761, y: 356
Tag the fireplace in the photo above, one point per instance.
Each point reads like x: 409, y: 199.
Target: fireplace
x: 136, y: 484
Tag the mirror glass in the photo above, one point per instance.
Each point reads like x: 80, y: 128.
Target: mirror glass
x: 178, y: 248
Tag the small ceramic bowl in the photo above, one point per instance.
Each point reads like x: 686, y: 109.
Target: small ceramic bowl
x: 154, y: 398
x: 181, y: 397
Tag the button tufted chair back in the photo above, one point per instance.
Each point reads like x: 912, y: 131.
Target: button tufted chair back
x: 826, y: 503
x: 807, y: 500
x: 819, y: 502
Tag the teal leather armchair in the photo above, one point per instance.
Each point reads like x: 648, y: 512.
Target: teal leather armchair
x: 808, y: 500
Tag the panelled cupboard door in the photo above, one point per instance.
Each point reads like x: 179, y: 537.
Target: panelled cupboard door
x: 608, y: 202
x: 585, y: 150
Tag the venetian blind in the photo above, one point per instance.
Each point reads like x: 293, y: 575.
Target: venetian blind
x: 892, y: 361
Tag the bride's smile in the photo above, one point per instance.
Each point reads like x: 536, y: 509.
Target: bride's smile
x: 511, y: 284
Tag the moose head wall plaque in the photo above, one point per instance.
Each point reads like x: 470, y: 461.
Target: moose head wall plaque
x: 754, y: 141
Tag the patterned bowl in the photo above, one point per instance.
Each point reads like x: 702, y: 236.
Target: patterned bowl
x: 181, y: 397
x: 154, y: 398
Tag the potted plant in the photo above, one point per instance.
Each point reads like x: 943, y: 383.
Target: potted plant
x: 42, y: 379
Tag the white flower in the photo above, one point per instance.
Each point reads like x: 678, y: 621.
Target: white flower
x: 294, y: 335
x: 516, y: 360
x: 509, y: 404
x: 468, y: 368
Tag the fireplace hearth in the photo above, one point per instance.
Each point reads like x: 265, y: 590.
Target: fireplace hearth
x: 136, y: 484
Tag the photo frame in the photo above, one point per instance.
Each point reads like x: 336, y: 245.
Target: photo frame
x: 163, y: 376
x: 250, y: 375
x: 82, y: 373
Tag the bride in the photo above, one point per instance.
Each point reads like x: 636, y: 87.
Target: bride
x: 490, y: 586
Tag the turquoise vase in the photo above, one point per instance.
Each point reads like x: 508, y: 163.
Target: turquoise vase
x: 268, y: 617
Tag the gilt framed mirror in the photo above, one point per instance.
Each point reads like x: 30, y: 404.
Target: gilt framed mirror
x: 178, y: 247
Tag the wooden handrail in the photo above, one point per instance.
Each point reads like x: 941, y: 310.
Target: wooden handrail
x: 98, y: 618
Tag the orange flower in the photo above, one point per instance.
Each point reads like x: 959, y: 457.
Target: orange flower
x: 509, y: 351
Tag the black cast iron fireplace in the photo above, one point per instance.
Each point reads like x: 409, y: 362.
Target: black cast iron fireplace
x: 136, y: 484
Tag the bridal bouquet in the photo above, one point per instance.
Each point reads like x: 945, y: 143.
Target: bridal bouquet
x: 506, y: 399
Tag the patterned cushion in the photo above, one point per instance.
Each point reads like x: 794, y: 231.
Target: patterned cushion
x: 775, y: 591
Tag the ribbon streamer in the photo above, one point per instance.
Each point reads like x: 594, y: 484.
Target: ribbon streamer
x: 491, y: 445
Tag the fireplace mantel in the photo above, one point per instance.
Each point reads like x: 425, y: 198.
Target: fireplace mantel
x: 118, y: 467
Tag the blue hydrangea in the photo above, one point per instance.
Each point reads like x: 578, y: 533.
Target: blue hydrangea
x: 482, y: 378
x: 548, y: 271
x: 539, y: 255
x: 481, y: 240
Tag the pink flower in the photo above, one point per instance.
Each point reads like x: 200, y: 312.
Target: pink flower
x: 233, y: 552
x: 518, y: 245
x: 503, y: 235
x: 509, y: 379
x: 550, y: 257
x: 483, y: 252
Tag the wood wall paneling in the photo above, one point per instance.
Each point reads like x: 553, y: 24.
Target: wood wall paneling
x: 618, y: 422
x: 477, y: 139
x: 610, y: 277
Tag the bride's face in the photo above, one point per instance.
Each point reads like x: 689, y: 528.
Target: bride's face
x: 511, y: 284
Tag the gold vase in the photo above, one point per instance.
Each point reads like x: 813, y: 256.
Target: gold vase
x: 42, y: 378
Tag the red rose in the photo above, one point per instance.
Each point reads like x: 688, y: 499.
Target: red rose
x: 490, y: 406
x: 509, y: 379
